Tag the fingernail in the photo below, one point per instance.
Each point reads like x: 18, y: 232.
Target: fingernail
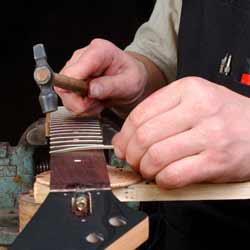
x: 95, y: 90
x: 118, y: 153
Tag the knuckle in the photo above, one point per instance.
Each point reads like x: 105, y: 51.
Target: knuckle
x: 146, y: 173
x: 98, y: 42
x: 141, y: 136
x: 129, y: 160
x: 155, y: 156
x: 218, y: 157
x: 206, y: 105
x: 193, y: 82
x: 77, y: 52
x: 171, y: 180
x: 202, y: 107
x: 134, y: 117
x: 204, y: 96
x: 216, y: 131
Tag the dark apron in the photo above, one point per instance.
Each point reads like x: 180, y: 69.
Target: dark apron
x: 208, y: 30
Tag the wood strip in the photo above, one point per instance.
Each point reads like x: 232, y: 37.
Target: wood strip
x: 151, y: 192
x: 47, y: 124
x: 133, y: 238
x: 144, y: 191
x: 27, y: 208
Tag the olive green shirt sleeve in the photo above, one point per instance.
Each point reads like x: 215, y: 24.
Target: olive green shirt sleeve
x: 157, y: 38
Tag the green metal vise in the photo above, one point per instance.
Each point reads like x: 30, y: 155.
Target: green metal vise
x: 16, y: 177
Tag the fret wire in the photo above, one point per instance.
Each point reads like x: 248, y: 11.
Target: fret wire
x: 78, y: 133
x: 76, y: 120
x: 75, y: 141
x: 75, y: 125
x: 71, y: 131
x: 75, y: 137
x: 89, y: 147
x: 73, y: 145
x: 75, y: 134
x: 71, y: 116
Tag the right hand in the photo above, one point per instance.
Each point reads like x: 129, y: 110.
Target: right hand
x: 116, y: 78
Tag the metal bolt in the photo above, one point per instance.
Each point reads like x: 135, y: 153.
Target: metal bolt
x: 80, y: 205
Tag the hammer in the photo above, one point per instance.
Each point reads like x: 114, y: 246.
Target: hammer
x: 46, y: 79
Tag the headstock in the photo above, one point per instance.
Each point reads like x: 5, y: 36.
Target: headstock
x: 111, y: 225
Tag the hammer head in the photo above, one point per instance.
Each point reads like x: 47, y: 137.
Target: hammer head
x: 43, y: 75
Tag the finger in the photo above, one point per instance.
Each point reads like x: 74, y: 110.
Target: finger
x: 74, y: 58
x: 76, y: 103
x: 170, y: 150
x: 161, y: 101
x: 90, y: 62
x: 190, y: 170
x: 94, y: 110
x: 165, y: 125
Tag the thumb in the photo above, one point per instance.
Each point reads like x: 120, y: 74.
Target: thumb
x: 111, y: 87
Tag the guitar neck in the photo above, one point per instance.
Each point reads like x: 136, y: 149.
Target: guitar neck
x: 81, y: 212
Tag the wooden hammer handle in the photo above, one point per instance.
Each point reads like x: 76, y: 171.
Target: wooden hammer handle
x: 72, y: 84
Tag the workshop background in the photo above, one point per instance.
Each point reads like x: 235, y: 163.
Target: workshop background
x: 63, y: 26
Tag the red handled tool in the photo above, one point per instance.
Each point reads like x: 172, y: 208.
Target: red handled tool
x: 245, y: 78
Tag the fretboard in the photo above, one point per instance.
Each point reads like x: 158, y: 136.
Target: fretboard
x: 76, y: 149
x: 69, y: 133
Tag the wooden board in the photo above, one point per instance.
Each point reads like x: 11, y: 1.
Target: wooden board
x: 27, y: 208
x: 3, y: 248
x: 132, y: 190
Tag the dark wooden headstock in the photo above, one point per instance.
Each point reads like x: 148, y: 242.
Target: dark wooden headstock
x: 111, y: 225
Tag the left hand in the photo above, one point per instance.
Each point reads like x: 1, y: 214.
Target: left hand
x: 190, y: 131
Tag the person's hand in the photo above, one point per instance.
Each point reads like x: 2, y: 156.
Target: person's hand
x: 116, y: 77
x: 188, y: 132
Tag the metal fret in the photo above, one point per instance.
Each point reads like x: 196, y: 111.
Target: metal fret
x: 55, y: 131
x: 69, y: 133
x: 82, y: 148
x: 75, y: 137
x: 71, y: 142
x: 62, y: 134
x: 75, y: 126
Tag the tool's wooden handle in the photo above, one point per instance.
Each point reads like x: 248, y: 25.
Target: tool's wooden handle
x: 69, y: 83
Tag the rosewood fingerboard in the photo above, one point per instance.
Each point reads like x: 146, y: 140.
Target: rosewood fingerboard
x: 73, y: 168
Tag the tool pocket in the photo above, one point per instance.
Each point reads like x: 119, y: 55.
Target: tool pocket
x: 237, y: 43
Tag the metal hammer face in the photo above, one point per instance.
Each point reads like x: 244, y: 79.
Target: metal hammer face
x: 43, y: 76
